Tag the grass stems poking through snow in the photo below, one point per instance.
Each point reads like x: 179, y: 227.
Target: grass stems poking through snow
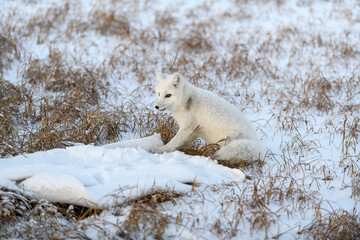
x: 107, y: 23
x: 196, y: 40
x: 8, y: 53
x: 46, y: 21
x: 56, y: 75
x: 337, y: 225
x: 143, y: 215
x: 12, y: 98
x: 200, y: 148
x: 23, y: 218
x: 167, y: 128
x: 30, y: 124
x: 61, y: 62
x: 13, y: 204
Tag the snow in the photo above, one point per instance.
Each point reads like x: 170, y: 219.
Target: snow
x: 89, y: 175
x: 57, y: 187
x: 305, y: 146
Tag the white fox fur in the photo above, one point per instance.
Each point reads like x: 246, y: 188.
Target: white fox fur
x: 202, y: 114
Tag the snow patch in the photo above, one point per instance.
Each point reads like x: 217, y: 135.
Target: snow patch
x: 57, y: 187
x: 87, y: 174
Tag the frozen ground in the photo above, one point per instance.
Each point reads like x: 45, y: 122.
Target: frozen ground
x: 292, y: 67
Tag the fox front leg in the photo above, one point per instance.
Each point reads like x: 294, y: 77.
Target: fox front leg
x: 182, y: 137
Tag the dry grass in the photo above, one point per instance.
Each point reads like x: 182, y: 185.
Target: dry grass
x: 196, y: 41
x: 8, y: 53
x: 107, y: 23
x: 317, y: 93
x: 339, y: 224
x: 44, y: 22
x: 144, y: 217
x: 56, y: 75
x: 73, y: 114
x: 24, y: 218
x: 60, y: 99
x: 31, y: 124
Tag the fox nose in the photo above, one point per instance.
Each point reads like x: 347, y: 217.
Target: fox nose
x: 157, y: 107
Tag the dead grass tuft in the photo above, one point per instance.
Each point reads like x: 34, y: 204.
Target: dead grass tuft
x: 30, y: 124
x: 200, y: 148
x: 8, y: 52
x: 143, y: 217
x: 317, y: 93
x: 196, y: 40
x: 242, y: 164
x: 12, y: 204
x: 350, y: 129
x: 109, y: 23
x: 73, y: 114
x: 75, y: 212
x: 12, y: 98
x: 144, y: 221
x: 337, y: 225
x: 43, y: 22
x: 23, y: 218
x: 164, y: 19
x: 355, y: 185
x: 56, y: 76
x: 64, y: 124
x: 167, y: 128
x: 261, y: 219
x: 157, y: 196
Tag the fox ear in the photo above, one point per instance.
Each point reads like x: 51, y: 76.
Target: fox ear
x: 176, y: 80
x: 159, y: 77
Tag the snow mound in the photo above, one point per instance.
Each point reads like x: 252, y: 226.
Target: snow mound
x: 87, y: 175
x: 57, y: 187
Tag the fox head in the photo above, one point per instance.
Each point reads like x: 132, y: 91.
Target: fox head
x: 169, y: 90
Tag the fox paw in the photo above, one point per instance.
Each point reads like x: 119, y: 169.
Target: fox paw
x: 158, y: 150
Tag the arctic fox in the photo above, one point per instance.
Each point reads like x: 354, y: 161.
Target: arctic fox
x: 202, y: 114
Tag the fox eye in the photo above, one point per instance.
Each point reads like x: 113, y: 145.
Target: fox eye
x: 168, y: 95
